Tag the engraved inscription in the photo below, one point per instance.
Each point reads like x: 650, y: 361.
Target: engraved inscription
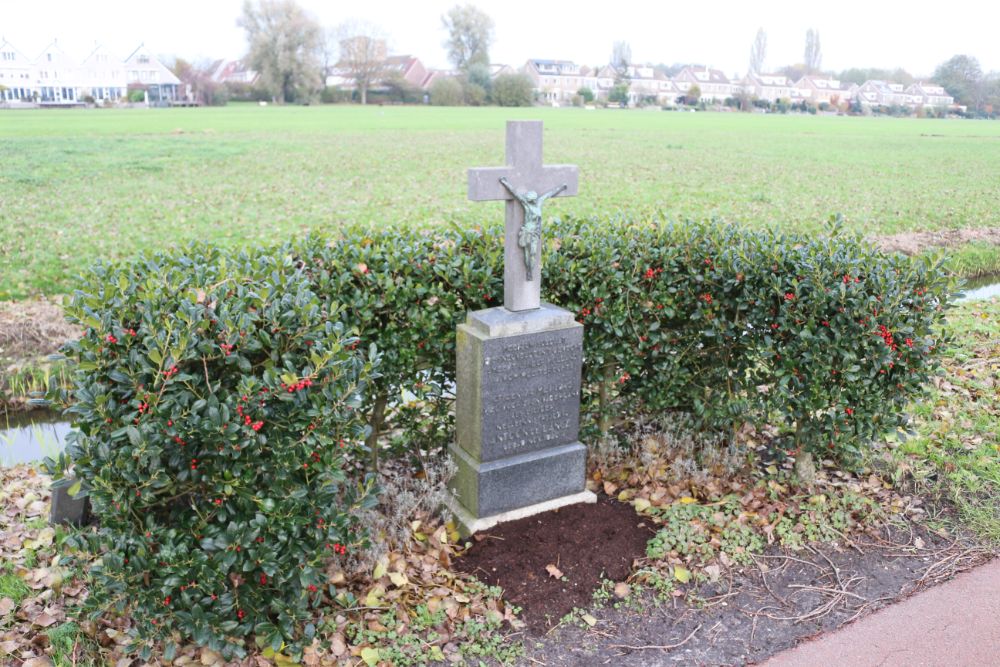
x: 530, y: 392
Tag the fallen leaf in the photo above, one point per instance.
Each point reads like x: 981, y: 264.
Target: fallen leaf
x: 43, y: 620
x: 398, y: 579
x: 210, y: 657
x: 622, y: 590
x: 681, y: 574
x: 641, y: 504
x: 338, y: 646
x: 381, y: 568
x: 589, y: 620
x: 370, y: 656
x: 554, y: 571
x: 6, y: 606
x: 37, y: 662
x: 374, y: 597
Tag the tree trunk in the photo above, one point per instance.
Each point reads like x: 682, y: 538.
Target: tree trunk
x: 364, y: 95
x: 378, y: 414
x: 607, y: 379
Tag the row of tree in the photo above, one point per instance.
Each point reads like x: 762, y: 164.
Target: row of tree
x: 293, y: 54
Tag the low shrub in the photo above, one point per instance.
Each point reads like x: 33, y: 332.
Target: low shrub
x: 215, y: 396
x: 403, y: 291
x: 823, y: 336
x: 214, y: 389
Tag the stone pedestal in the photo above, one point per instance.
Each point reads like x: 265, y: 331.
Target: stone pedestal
x: 65, y: 508
x: 518, y: 416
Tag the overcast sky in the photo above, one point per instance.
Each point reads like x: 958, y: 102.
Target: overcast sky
x: 876, y: 33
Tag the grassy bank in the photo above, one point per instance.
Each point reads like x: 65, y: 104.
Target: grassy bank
x: 955, y: 453
x: 83, y: 185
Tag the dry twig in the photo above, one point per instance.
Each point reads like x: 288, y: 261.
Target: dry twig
x: 661, y: 647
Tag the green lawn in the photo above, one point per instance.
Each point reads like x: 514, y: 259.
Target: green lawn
x: 80, y: 185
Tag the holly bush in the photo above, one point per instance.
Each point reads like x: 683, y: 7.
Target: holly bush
x: 215, y: 396
x: 730, y: 324
x: 823, y: 336
x: 404, y: 291
x: 215, y: 389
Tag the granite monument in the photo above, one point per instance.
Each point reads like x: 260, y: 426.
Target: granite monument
x: 519, y: 365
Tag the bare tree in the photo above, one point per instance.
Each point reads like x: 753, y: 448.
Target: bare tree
x: 621, y: 58
x: 198, y: 83
x: 814, y: 54
x: 470, y: 34
x: 284, y: 45
x: 758, y: 52
x: 362, y: 55
x: 329, y: 51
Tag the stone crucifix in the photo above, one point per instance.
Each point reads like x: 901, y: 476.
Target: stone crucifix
x: 524, y: 184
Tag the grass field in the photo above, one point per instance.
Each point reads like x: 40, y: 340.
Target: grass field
x: 76, y: 186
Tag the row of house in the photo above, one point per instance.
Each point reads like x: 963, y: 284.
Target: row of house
x: 55, y: 79
x: 559, y: 81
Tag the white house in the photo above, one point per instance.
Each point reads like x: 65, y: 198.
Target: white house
x: 928, y: 96
x: 880, y: 93
x: 102, y: 76
x: 559, y: 80
x: 143, y: 69
x: 713, y: 84
x: 16, y: 84
x: 645, y: 83
x: 818, y: 90
x: 55, y: 77
x: 770, y: 87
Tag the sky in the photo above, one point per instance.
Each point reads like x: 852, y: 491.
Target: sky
x: 853, y: 33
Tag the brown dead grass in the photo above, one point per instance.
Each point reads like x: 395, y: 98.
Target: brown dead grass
x: 33, y: 328
x: 912, y: 243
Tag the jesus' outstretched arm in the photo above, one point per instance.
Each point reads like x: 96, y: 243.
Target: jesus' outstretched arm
x: 552, y: 193
x: 504, y: 182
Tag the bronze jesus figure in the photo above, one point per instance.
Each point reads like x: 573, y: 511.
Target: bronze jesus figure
x: 530, y: 234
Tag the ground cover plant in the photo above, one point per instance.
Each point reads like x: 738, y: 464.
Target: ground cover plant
x: 172, y: 176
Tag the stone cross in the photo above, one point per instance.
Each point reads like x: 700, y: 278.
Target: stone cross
x: 524, y: 172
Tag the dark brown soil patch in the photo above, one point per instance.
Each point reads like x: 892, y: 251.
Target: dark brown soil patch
x: 587, y: 543
x: 754, y: 612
